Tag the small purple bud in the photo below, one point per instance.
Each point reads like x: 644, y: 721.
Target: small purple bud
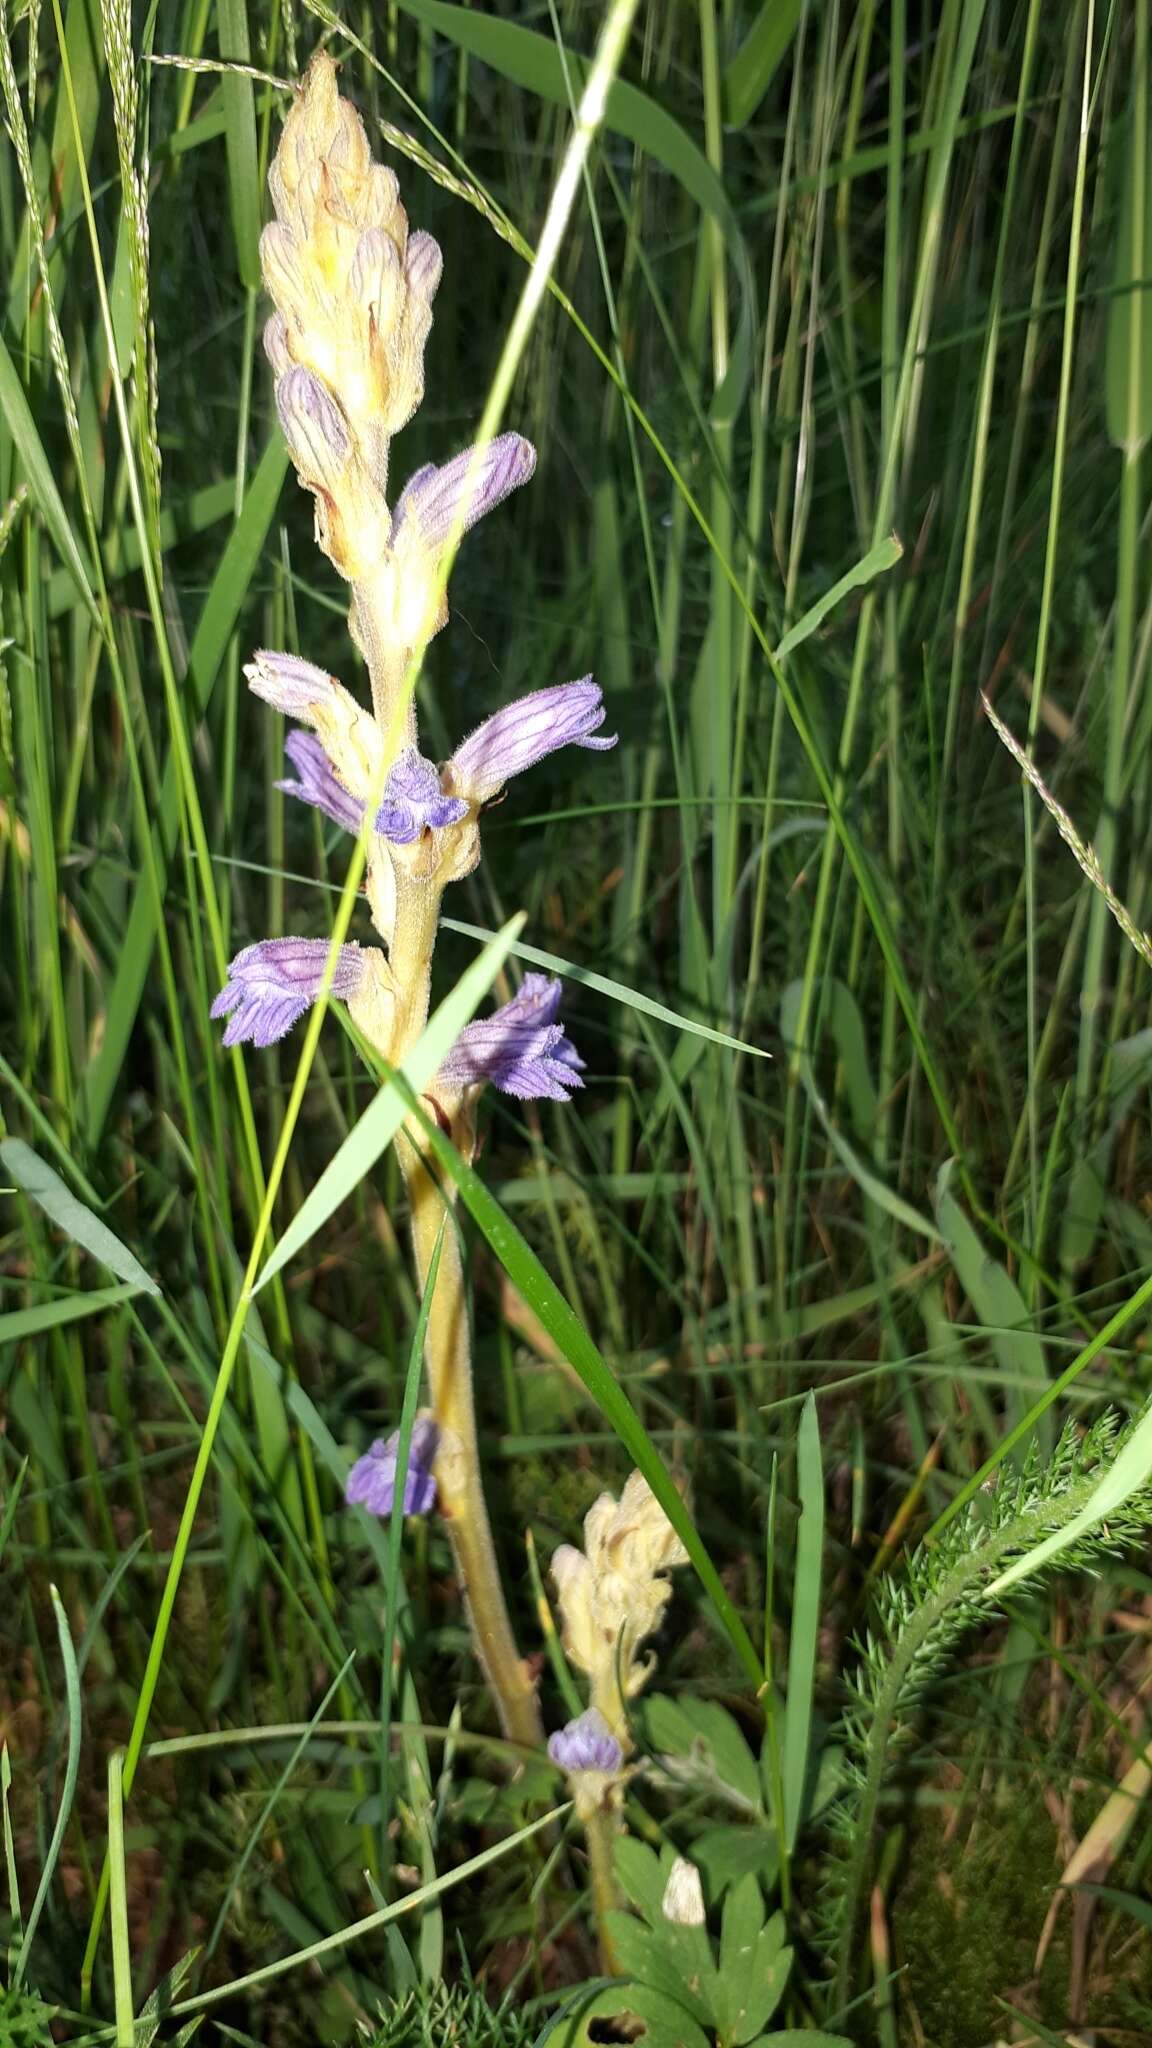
x: 524, y: 732
x: 314, y: 426
x: 414, y: 801
x: 276, y: 344
x: 372, y: 1480
x: 289, y: 683
x: 319, y: 784
x: 586, y: 1744
x: 521, y: 1048
x: 438, y: 501
x: 423, y: 264
x: 271, y: 985
x: 375, y: 275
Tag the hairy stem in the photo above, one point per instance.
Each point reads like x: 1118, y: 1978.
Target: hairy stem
x: 448, y: 1356
x: 601, y: 1829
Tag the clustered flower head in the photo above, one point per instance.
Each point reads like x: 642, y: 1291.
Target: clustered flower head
x: 352, y: 289
x: 613, y: 1594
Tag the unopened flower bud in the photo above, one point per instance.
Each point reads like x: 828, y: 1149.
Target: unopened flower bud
x: 683, y: 1901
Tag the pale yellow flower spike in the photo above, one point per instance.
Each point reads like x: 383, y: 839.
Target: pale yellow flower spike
x: 613, y: 1595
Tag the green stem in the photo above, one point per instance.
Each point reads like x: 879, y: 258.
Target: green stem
x: 601, y: 1829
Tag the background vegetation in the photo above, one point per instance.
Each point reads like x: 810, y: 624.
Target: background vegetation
x: 840, y: 270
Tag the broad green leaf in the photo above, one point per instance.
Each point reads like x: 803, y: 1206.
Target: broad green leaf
x: 666, y: 2024
x: 882, y: 557
x: 801, y: 2037
x: 706, y: 1735
x: 642, y: 1875
x: 20, y: 425
x: 755, y: 1999
x: 642, y: 1955
x: 805, y: 1630
x: 374, y: 1131
x: 740, y: 1929
x: 726, y: 1854
x: 44, y: 1185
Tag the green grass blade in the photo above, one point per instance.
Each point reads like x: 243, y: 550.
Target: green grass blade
x: 44, y: 1185
x: 20, y: 1323
x: 876, y: 562
x: 19, y: 423
x: 375, y: 1130
x: 616, y: 991
x: 805, y: 1631
x: 68, y: 1793
x: 542, y: 1295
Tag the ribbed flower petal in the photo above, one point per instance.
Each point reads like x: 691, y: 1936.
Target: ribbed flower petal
x: 372, y: 1480
x: 414, y: 801
x: 454, y: 496
x: 272, y: 983
x: 586, y: 1744
x: 524, y: 732
x: 318, y: 783
x: 521, y: 1048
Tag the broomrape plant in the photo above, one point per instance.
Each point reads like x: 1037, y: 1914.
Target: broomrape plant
x: 353, y: 291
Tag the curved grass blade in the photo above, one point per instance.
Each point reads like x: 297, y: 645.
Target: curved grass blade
x: 542, y: 1295
x: 71, y: 1772
x: 44, y: 1185
x: 616, y: 991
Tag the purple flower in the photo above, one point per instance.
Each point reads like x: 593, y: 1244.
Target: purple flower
x: 423, y: 264
x: 372, y: 1479
x: 319, y: 785
x: 271, y: 984
x: 586, y: 1744
x: 314, y: 426
x: 520, y: 1048
x: 524, y: 732
x: 454, y: 496
x: 414, y: 801
x: 290, y: 684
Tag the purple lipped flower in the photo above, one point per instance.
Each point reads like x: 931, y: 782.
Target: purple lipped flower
x: 586, y: 1744
x: 319, y: 785
x: 524, y: 732
x: 521, y: 1048
x: 456, y: 494
x: 372, y: 1480
x: 271, y: 984
x: 414, y: 801
x: 289, y: 683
